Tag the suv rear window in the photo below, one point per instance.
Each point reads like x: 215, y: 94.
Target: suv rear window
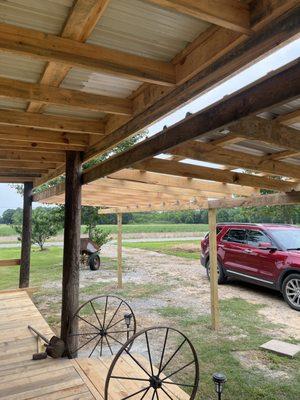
x: 235, y: 235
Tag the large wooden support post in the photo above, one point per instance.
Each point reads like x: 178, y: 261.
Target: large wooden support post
x: 71, y: 253
x: 213, y: 261
x: 26, y: 236
x: 120, y: 278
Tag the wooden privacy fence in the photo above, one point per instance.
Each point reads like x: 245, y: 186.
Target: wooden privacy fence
x: 10, y: 263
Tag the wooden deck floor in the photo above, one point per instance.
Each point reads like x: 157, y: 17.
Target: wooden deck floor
x: 21, y: 378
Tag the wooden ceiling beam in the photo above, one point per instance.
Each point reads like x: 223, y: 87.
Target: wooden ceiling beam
x: 282, y: 86
x: 258, y: 201
x: 268, y: 131
x: 289, y: 118
x: 35, y: 136
x: 235, y: 159
x: 6, y: 179
x: 31, y: 156
x: 31, y: 165
x: 37, y: 147
x: 152, y: 188
x: 212, y: 174
x: 181, y: 183
x: 46, y: 47
x: 231, y: 14
x: 42, y: 93
x: 81, y: 21
x: 152, y: 103
x: 50, y: 122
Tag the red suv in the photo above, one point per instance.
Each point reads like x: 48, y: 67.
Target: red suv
x: 265, y: 254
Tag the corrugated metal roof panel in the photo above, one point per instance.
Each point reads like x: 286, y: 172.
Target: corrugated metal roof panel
x: 13, y: 104
x: 99, y: 83
x: 46, y: 15
x: 21, y: 68
x: 144, y: 29
x: 73, y: 112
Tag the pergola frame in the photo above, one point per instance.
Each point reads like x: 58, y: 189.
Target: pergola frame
x: 36, y: 147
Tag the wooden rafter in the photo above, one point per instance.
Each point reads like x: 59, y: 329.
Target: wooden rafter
x: 82, y: 19
x: 210, y: 67
x: 231, y: 14
x: 46, y: 47
x: 289, y: 118
x: 213, y: 174
x: 235, y: 159
x: 14, y: 89
x: 259, y: 201
x: 251, y: 100
x: 56, y: 123
x: 181, y: 182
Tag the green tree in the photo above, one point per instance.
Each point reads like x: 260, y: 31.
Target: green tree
x: 46, y: 222
x: 7, y: 216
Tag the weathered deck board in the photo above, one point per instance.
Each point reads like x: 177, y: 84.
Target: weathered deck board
x: 21, y: 378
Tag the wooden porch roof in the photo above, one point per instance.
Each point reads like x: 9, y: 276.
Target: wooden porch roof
x: 85, y: 75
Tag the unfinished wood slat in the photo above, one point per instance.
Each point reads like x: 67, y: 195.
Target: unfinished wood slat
x: 46, y: 47
x: 213, y: 174
x: 31, y: 156
x: 237, y: 159
x: 14, y: 89
x: 33, y: 120
x: 259, y: 201
x: 27, y: 134
x: 8, y: 263
x: 82, y: 19
x: 229, y: 14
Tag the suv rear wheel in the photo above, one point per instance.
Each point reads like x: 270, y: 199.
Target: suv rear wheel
x: 291, y: 291
x: 222, y: 278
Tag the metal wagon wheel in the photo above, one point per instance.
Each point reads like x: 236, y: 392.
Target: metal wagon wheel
x: 168, y: 364
x: 105, y: 323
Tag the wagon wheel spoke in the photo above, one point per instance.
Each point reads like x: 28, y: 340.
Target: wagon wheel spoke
x: 116, y: 340
x: 129, y: 378
x: 94, y: 348
x: 145, y: 393
x: 108, y: 345
x: 115, y: 313
x: 133, y: 394
x: 166, y: 393
x: 116, y: 323
x: 85, y: 343
x: 173, y: 355
x: 180, y: 369
x: 87, y: 322
x: 101, y: 327
x: 129, y: 330
x: 163, y: 351
x: 84, y: 334
x: 178, y: 384
x: 105, y: 310
x: 149, y: 353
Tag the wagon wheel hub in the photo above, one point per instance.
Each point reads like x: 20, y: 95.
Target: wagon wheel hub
x: 155, y: 382
x: 102, y: 332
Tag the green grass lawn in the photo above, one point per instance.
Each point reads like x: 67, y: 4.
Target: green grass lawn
x: 7, y: 230
x: 187, y: 248
x: 262, y: 376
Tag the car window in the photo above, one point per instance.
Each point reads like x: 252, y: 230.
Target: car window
x: 218, y: 231
x: 255, y: 237
x: 235, y: 235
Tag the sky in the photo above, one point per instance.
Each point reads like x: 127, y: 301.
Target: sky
x: 9, y: 198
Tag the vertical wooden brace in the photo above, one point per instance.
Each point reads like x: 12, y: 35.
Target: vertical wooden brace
x: 213, y: 261
x: 120, y: 278
x: 26, y: 236
x: 71, y: 253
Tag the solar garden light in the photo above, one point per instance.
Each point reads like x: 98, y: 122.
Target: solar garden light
x: 127, y: 319
x: 219, y: 380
